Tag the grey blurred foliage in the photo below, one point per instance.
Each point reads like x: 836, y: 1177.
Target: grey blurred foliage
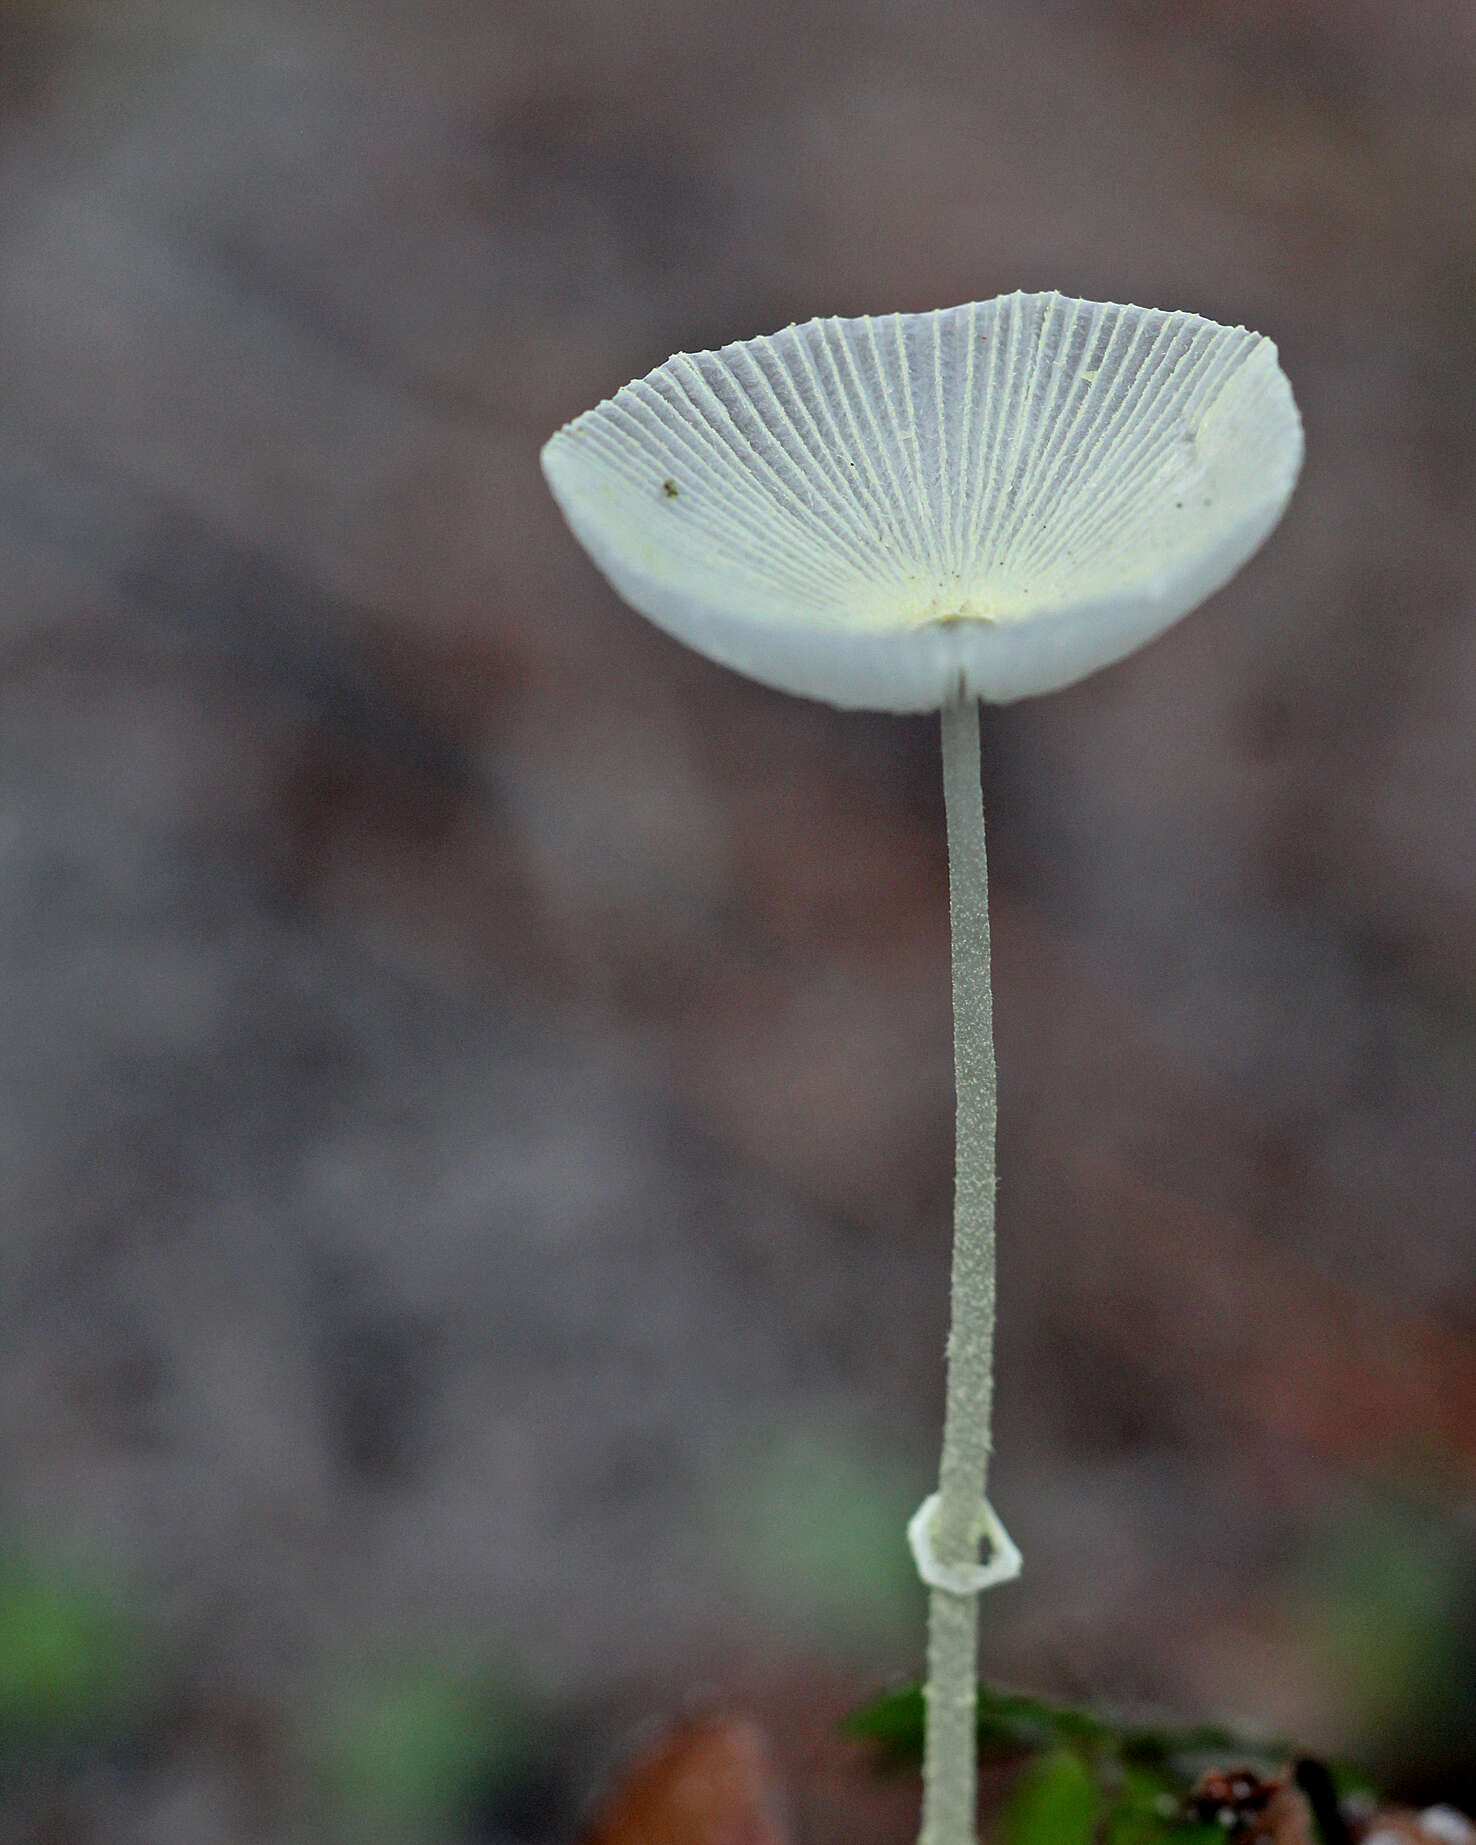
x: 474, y: 1081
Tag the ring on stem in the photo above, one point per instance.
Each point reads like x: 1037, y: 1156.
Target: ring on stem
x: 1004, y: 1562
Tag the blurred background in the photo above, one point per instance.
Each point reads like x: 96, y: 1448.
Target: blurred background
x: 475, y: 1079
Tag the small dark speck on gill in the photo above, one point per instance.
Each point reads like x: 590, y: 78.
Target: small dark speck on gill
x: 670, y: 489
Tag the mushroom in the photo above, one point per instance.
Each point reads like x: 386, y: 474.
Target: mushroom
x: 915, y: 512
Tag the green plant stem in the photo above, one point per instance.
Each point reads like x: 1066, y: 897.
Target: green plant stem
x: 949, y: 1752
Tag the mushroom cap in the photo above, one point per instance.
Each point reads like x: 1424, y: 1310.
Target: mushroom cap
x: 894, y: 513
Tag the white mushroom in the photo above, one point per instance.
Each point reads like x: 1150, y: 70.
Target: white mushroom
x: 916, y: 512
x: 898, y: 513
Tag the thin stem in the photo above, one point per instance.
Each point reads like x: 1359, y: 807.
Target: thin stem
x: 949, y: 1772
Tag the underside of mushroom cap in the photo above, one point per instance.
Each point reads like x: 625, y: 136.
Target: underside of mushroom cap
x: 893, y: 513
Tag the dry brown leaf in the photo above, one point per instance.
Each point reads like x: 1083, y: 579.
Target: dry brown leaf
x: 707, y: 1781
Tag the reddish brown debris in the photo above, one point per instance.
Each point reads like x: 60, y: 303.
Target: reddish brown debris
x: 1249, y: 1808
